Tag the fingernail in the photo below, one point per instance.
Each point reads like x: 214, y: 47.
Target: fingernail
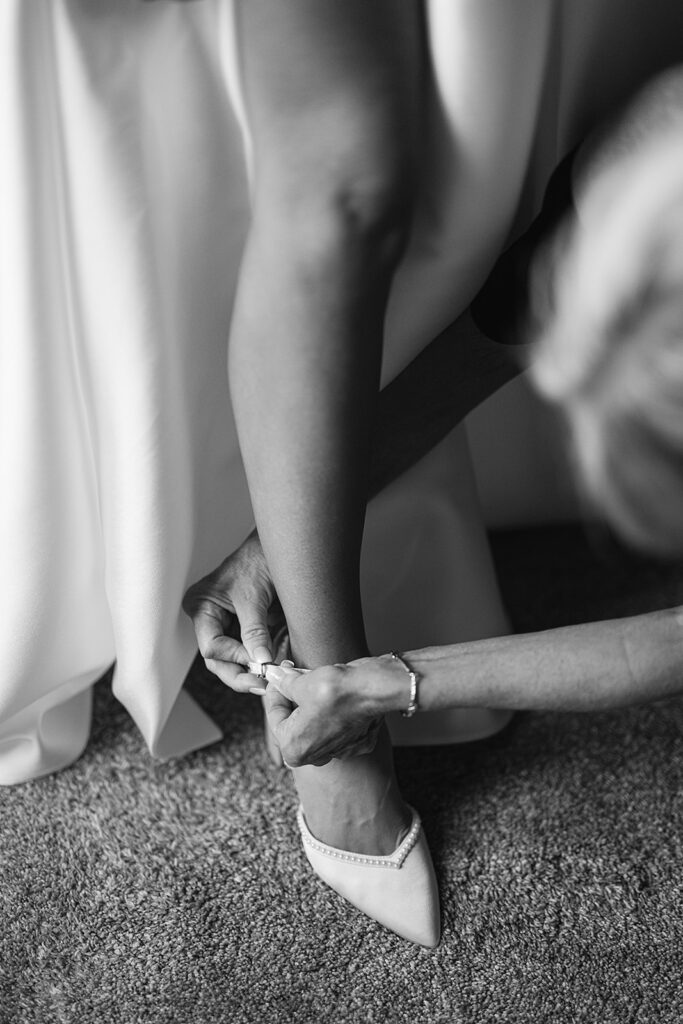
x: 257, y: 690
x: 261, y: 654
x: 287, y: 663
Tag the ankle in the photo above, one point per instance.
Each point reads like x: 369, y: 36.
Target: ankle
x: 354, y: 805
x: 379, y: 834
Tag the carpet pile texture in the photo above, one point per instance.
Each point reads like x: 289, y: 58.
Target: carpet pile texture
x: 136, y: 892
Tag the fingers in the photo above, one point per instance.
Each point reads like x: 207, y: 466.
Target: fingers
x: 279, y: 710
x: 240, y: 588
x: 286, y: 679
x: 309, y: 730
x: 209, y: 621
x: 231, y: 674
x: 289, y: 724
x: 223, y: 655
x: 252, y: 615
x: 283, y: 719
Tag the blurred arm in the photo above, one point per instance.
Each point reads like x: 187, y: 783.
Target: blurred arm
x: 446, y: 381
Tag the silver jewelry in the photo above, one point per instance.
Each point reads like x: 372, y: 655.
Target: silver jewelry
x: 413, y: 704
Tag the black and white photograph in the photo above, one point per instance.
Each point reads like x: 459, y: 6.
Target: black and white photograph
x: 341, y: 511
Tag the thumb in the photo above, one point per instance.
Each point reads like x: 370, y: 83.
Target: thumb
x: 253, y: 621
x: 286, y: 681
x: 278, y: 708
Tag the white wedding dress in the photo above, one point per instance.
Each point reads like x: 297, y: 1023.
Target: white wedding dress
x: 124, y: 207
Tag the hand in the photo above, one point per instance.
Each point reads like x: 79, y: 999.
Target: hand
x: 237, y: 599
x: 322, y: 714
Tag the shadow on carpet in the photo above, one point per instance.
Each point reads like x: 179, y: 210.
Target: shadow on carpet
x: 137, y: 892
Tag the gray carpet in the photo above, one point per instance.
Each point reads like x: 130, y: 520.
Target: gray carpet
x: 138, y: 892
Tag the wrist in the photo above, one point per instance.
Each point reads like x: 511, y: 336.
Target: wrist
x: 383, y: 684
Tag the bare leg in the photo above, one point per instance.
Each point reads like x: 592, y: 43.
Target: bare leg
x: 330, y: 88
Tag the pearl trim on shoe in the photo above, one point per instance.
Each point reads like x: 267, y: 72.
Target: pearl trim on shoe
x: 392, y: 860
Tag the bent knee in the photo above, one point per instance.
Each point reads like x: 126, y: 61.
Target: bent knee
x: 340, y: 172
x: 362, y: 209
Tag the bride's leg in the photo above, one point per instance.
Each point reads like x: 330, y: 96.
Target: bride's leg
x: 330, y: 90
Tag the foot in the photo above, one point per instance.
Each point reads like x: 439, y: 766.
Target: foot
x: 355, y: 805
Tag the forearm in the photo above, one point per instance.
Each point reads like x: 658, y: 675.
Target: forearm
x: 586, y: 667
x: 454, y: 374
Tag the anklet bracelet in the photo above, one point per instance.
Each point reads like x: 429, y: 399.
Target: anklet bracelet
x: 413, y: 705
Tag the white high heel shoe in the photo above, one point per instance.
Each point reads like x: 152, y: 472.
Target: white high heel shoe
x: 399, y: 891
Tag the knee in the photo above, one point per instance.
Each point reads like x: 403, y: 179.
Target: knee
x: 369, y: 201
x: 345, y: 181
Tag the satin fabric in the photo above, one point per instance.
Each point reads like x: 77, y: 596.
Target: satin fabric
x: 124, y: 203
